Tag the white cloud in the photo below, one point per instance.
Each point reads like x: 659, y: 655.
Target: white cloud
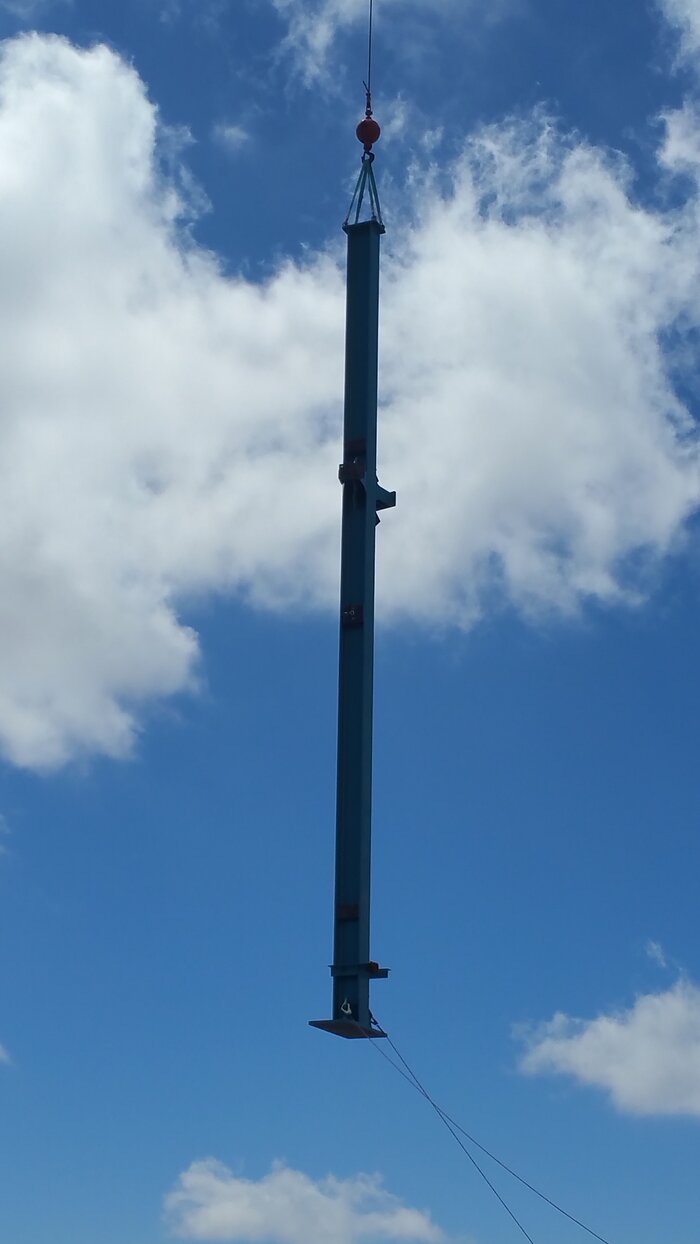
x: 287, y: 1207
x: 149, y: 408
x: 4, y: 1056
x: 681, y: 148
x: 646, y: 1058
x: 166, y: 431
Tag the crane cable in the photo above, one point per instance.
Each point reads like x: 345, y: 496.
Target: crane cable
x: 415, y: 1083
x: 370, y: 39
x: 369, y: 48
x: 455, y: 1129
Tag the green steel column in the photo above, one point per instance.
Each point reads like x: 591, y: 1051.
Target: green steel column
x: 352, y: 968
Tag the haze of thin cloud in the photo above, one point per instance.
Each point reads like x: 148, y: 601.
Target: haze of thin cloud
x: 160, y: 420
x: 684, y: 15
x: 646, y: 1058
x: 230, y: 135
x: 312, y: 30
x: 25, y: 10
x: 287, y: 1207
x: 313, y: 26
x: 655, y: 952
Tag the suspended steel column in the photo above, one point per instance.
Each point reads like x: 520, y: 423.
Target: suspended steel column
x: 353, y: 969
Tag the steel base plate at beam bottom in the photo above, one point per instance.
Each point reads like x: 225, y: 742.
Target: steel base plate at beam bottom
x: 346, y: 1028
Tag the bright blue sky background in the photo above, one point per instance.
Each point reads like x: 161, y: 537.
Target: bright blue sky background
x: 166, y: 917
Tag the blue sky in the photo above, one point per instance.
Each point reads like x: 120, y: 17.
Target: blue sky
x: 172, y: 180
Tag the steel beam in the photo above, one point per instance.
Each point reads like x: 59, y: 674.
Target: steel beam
x: 353, y: 968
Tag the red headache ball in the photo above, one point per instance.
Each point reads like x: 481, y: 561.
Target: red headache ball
x: 368, y: 132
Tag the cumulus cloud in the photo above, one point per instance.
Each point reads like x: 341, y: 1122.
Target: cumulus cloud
x: 287, y: 1207
x: 681, y: 147
x: 647, y: 1058
x: 149, y: 407
x: 169, y: 431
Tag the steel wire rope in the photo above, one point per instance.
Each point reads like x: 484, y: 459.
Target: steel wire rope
x: 415, y: 1083
x: 411, y: 1078
x: 370, y: 35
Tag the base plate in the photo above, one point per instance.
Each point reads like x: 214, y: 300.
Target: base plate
x: 346, y: 1028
